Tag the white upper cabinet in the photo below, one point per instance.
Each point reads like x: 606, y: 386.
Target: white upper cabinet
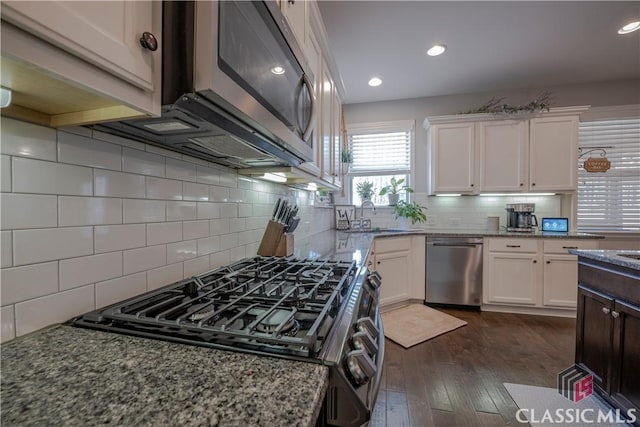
x: 497, y: 142
x: 297, y: 14
x: 554, y: 153
x: 453, y: 158
x: 81, y: 62
x: 482, y: 153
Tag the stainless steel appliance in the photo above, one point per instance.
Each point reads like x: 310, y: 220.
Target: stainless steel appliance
x: 520, y: 217
x: 454, y: 271
x: 309, y: 310
x: 236, y: 89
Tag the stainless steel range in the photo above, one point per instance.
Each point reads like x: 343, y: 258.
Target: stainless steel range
x: 310, y: 310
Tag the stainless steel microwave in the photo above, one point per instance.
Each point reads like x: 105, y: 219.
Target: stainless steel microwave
x: 236, y: 88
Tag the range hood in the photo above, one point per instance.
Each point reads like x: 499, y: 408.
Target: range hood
x: 197, y: 127
x: 290, y: 176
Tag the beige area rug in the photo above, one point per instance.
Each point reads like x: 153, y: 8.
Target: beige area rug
x: 416, y: 323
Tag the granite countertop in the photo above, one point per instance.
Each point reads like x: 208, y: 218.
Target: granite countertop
x: 610, y: 256
x: 68, y: 376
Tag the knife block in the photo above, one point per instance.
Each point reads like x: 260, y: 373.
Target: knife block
x: 275, y: 242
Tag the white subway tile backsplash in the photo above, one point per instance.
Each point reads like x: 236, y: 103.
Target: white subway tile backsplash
x: 208, y: 245
x: 236, y: 195
x: 237, y: 224
x: 196, y: 266
x: 218, y: 194
x: 80, y: 271
x: 164, y: 232
x: 31, y: 281
x: 27, y: 140
x: 162, y: 276
x: 195, y: 229
x: 57, y: 308
x: 228, y: 179
x: 80, y: 150
x: 245, y: 237
x: 219, y: 259
x: 208, y: 210
x: 73, y: 211
x: 228, y: 241
x: 78, y: 130
x: 119, y: 184
x: 142, y: 162
x: 135, y: 211
x: 28, y: 211
x: 8, y: 324
x: 163, y: 152
x: 219, y: 226
x: 6, y: 249
x: 115, y: 290
x: 119, y: 237
x: 166, y: 189
x: 236, y: 254
x: 207, y: 175
x: 31, y: 246
x: 245, y: 210
x: 5, y: 174
x: 181, y: 211
x: 181, y: 251
x: 136, y: 260
x: 179, y: 169
x: 195, y: 192
x: 38, y: 176
x: 103, y: 136
x: 229, y: 210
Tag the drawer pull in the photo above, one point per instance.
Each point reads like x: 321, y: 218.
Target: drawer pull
x: 513, y: 246
x: 535, y: 261
x: 615, y: 314
x: 606, y: 310
x: 569, y: 247
x: 548, y: 262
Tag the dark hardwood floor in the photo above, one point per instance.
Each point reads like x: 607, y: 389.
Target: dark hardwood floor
x: 457, y: 379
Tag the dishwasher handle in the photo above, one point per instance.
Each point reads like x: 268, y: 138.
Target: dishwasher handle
x: 457, y: 245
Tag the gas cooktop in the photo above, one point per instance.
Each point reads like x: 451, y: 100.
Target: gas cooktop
x: 278, y: 306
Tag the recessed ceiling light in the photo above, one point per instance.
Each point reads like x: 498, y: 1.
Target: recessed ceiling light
x: 630, y: 28
x: 277, y: 70
x: 375, y: 82
x: 437, y: 49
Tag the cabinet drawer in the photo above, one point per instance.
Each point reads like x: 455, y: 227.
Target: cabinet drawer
x: 513, y: 245
x: 560, y: 246
x: 392, y: 244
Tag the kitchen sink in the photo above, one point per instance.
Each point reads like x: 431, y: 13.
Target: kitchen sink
x: 632, y: 256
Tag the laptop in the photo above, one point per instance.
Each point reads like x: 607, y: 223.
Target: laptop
x: 555, y: 226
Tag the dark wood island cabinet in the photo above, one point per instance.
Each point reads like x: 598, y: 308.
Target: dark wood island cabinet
x: 608, y: 325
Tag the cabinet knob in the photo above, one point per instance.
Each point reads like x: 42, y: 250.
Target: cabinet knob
x: 149, y: 41
x: 548, y: 262
x: 533, y: 184
x: 521, y: 184
x: 472, y: 185
x: 379, y: 262
x: 615, y: 314
x: 606, y: 310
x: 292, y: 2
x: 535, y: 261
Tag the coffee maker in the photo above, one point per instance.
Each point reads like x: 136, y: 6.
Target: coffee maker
x: 520, y: 217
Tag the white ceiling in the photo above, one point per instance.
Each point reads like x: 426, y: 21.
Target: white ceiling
x: 491, y: 46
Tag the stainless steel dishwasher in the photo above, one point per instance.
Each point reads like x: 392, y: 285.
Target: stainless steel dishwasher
x: 454, y: 271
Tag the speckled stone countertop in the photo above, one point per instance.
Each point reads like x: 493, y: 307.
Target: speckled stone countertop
x: 66, y: 376
x: 611, y: 256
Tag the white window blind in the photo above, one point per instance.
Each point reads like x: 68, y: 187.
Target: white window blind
x: 388, y: 151
x: 610, y: 200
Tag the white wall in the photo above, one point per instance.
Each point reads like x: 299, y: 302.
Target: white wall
x: 89, y: 219
x: 601, y: 94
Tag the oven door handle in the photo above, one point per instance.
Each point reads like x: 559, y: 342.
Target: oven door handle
x: 379, y: 361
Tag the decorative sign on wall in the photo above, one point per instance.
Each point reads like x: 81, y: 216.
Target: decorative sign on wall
x: 595, y: 164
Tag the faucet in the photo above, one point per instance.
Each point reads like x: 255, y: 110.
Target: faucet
x: 362, y: 220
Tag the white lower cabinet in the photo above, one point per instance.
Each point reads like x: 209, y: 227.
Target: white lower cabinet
x: 531, y: 272
x: 400, y: 263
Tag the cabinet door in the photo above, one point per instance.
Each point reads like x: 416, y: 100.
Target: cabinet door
x: 625, y: 378
x: 503, y: 150
x: 337, y: 138
x: 513, y: 278
x: 393, y: 268
x: 105, y: 33
x: 560, y: 281
x: 594, y: 329
x: 326, y: 123
x: 453, y: 158
x: 297, y: 14
x: 553, y: 154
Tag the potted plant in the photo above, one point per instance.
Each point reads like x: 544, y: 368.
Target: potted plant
x: 393, y: 190
x: 346, y: 157
x: 365, y: 190
x: 413, y: 211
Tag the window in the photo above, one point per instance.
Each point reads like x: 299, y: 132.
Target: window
x: 610, y: 200
x: 380, y: 151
